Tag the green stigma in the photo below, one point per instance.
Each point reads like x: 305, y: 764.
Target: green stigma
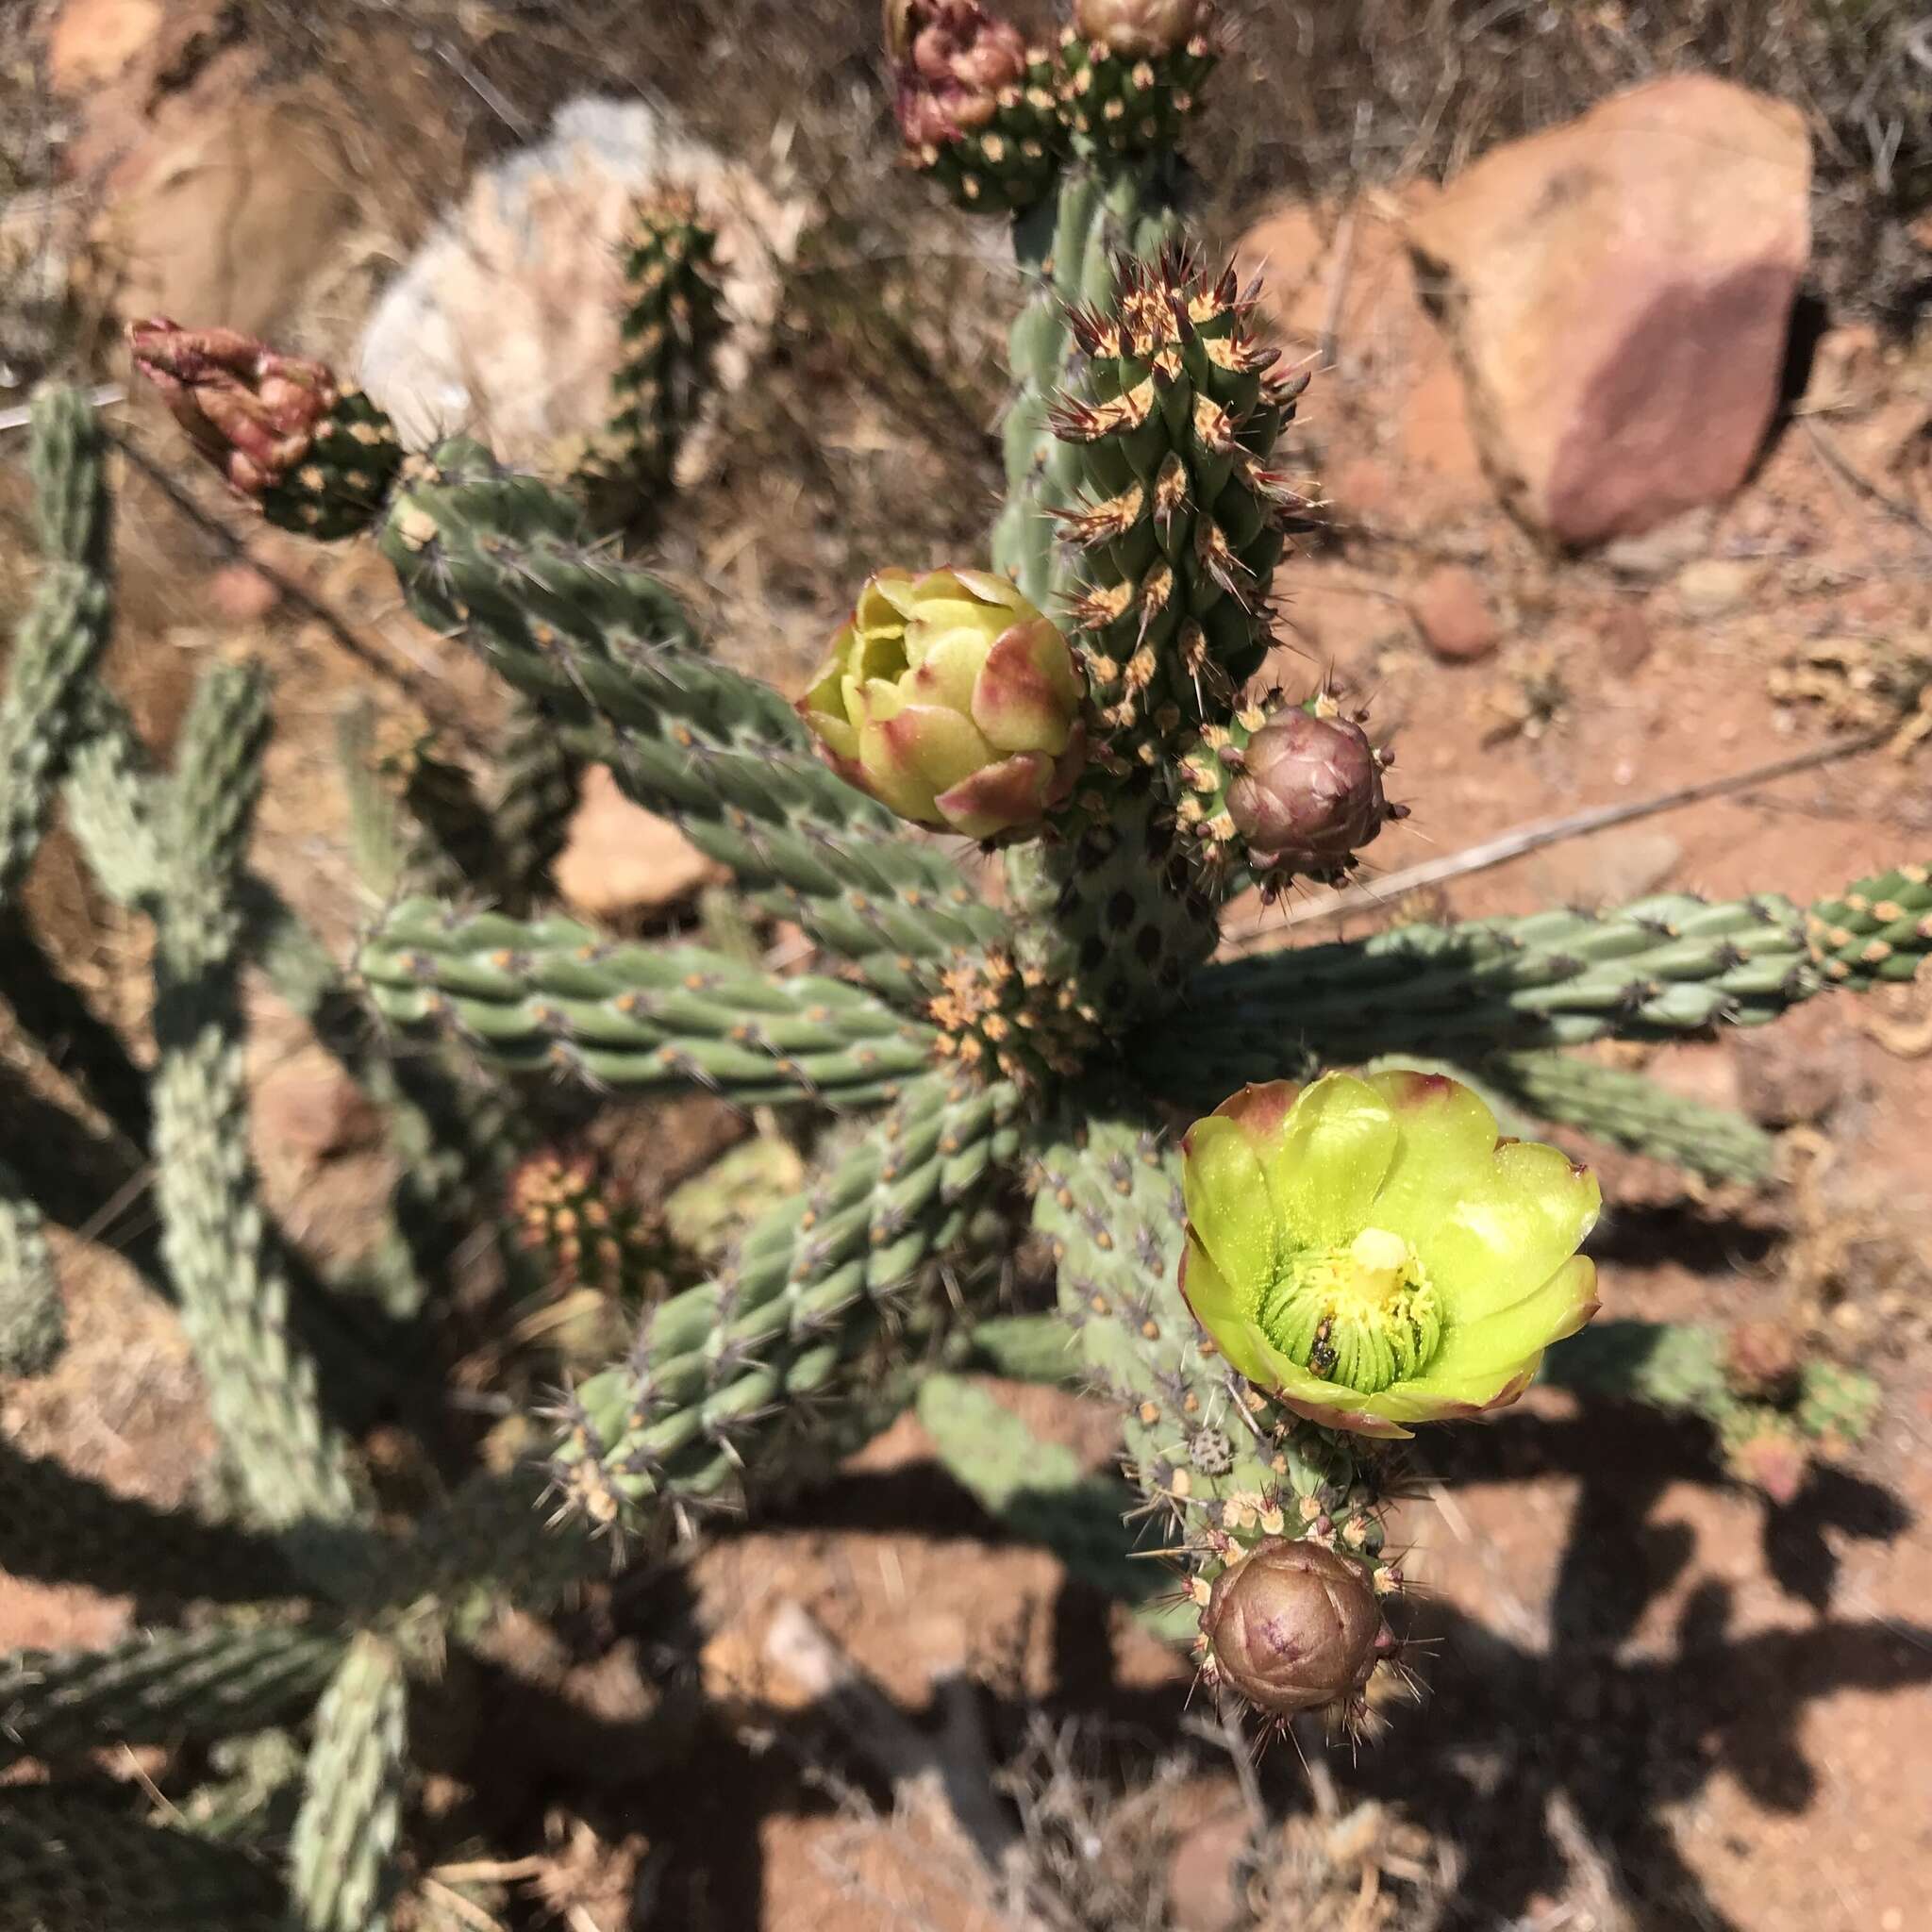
x: 1364, y: 1315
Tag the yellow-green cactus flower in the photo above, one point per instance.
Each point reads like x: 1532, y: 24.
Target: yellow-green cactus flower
x: 952, y: 700
x: 1370, y: 1252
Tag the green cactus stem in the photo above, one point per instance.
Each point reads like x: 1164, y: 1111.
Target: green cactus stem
x: 234, y: 1294
x: 71, y: 1864
x: 59, y: 1527
x: 553, y: 993
x: 1218, y: 1467
x: 1658, y: 968
x: 33, y: 1319
x: 1128, y: 93
x: 66, y: 460
x: 341, y: 1875
x: 161, y: 1689
x: 500, y: 559
x: 58, y: 645
x: 1632, y: 1111
x: 1880, y: 929
x: 678, y: 1419
x: 531, y: 806
x: 673, y: 323
x: 416, y: 820
x: 1025, y: 1348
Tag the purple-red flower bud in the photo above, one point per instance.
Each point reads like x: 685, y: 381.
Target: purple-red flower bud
x: 1309, y: 795
x: 252, y: 412
x: 952, y: 60
x: 1293, y: 1626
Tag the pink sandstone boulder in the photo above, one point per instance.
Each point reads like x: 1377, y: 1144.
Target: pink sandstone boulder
x: 1618, y: 291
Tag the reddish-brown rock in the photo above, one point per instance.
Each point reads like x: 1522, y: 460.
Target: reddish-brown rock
x: 1619, y: 292
x: 239, y: 594
x: 1453, y: 615
x: 622, y: 858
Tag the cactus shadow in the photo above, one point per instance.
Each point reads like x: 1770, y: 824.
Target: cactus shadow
x: 1539, y: 1750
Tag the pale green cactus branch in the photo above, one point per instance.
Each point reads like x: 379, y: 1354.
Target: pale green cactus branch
x: 551, y: 993
x: 57, y: 643
x: 1218, y: 1467
x: 1655, y: 969
x: 161, y: 1689
x: 33, y: 1319
x: 495, y: 558
x: 1630, y: 1110
x: 341, y: 1853
x: 535, y: 796
x: 690, y: 1410
x: 73, y: 1864
x: 234, y: 1292
x: 67, y: 461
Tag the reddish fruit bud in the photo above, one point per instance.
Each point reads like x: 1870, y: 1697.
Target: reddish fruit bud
x: 1293, y: 1626
x: 252, y: 412
x: 1136, y: 29
x: 951, y: 62
x: 1309, y: 795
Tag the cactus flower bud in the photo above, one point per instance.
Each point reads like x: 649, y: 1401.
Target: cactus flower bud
x: 1373, y: 1255
x: 975, y: 103
x: 952, y: 700
x: 1293, y: 1626
x: 1308, y: 794
x: 316, y: 458
x: 1138, y: 28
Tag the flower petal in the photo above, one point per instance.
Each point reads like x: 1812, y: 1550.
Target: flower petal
x: 1508, y: 1230
x: 1228, y: 1210
x: 1327, y: 1164
x: 1028, y: 691
x: 1558, y: 1306
x: 999, y: 798
x: 1223, y: 1310
x: 1445, y: 1136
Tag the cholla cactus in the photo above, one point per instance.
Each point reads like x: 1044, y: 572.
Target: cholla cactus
x: 1365, y: 1256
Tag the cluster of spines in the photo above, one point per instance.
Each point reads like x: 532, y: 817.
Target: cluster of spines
x: 566, y: 1212
x: 1134, y: 104
x: 1008, y: 1021
x: 1183, y: 521
x: 1216, y: 1464
x: 672, y: 324
x: 1880, y: 929
x: 343, y: 480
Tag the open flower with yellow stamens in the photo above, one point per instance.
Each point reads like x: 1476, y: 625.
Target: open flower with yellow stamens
x: 1371, y: 1254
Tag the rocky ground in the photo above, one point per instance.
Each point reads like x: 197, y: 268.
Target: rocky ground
x: 1625, y: 487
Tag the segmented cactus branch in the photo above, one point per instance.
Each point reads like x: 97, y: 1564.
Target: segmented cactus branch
x: 59, y: 1527
x: 56, y: 645
x: 1630, y: 1110
x: 1220, y: 1469
x: 33, y: 1319
x: 499, y: 559
x: 673, y: 322
x: 342, y: 1877
x: 66, y: 460
x: 553, y: 993
x: 161, y: 1689
x: 71, y: 1864
x: 1880, y: 929
x: 681, y: 1418
x: 233, y: 1294
x: 535, y: 796
x: 1659, y: 967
